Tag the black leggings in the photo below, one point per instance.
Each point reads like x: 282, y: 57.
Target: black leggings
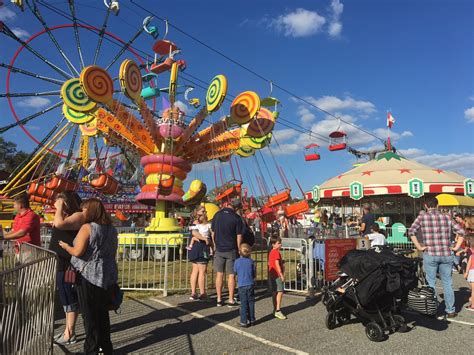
x: 93, y: 301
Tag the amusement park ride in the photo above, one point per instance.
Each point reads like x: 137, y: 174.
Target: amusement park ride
x: 110, y: 110
x: 104, y: 109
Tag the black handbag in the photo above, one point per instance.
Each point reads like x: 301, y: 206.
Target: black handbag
x: 115, y: 297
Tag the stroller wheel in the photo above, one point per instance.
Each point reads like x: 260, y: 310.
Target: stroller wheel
x: 344, y: 317
x: 374, y: 331
x: 331, y: 320
x: 400, y: 324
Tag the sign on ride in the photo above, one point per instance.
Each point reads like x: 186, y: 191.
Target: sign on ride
x: 334, y: 250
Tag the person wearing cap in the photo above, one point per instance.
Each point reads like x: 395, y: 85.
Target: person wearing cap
x: 227, y: 230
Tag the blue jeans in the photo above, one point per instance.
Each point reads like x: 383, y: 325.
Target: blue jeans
x: 67, y: 294
x: 443, y: 265
x: 247, y: 304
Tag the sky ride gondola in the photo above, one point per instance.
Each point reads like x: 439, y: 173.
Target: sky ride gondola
x: 311, y: 152
x: 338, y: 140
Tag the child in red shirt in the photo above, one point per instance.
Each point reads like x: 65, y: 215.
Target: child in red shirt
x: 276, y: 271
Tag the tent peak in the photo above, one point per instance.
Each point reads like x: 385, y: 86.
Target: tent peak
x: 389, y: 155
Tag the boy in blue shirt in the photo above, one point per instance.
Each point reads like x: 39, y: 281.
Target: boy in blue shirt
x: 244, y: 267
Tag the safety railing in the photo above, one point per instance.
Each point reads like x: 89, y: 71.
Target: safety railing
x: 130, y: 230
x: 305, y: 232
x: 27, y: 300
x: 294, y: 252
x: 154, y: 262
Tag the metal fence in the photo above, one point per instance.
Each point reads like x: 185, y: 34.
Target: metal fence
x: 150, y: 262
x: 27, y: 288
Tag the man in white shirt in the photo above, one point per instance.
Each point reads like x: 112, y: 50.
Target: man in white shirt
x: 376, y: 238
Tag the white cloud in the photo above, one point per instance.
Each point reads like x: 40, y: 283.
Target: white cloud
x: 282, y: 135
x: 335, y: 25
x: 394, y: 136
x: 306, y: 116
x: 285, y: 149
x: 333, y: 103
x: 6, y: 14
x: 469, y: 114
x: 462, y: 163
x: 337, y: 8
x: 34, y: 102
x: 412, y: 153
x: 299, y: 23
x: 20, y: 32
x: 335, y: 29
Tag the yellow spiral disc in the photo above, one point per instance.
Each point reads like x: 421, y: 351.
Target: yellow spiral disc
x: 216, y: 93
x: 75, y: 98
x: 75, y: 116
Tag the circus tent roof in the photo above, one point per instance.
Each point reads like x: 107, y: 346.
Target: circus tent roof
x: 390, y: 174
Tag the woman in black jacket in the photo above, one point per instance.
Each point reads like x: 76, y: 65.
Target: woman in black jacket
x: 68, y: 219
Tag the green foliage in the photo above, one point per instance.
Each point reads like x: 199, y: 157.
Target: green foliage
x: 10, y: 157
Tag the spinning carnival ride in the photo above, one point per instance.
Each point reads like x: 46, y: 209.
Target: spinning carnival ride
x: 105, y: 113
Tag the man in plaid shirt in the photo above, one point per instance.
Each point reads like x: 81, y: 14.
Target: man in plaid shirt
x: 435, y: 229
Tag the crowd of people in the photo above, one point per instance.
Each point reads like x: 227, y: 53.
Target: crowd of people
x: 86, y: 242
x: 229, y: 239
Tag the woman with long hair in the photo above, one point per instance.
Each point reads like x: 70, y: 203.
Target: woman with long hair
x: 68, y: 219
x: 199, y: 252
x: 93, y: 257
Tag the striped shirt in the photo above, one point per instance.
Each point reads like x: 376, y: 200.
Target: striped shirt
x: 435, y: 229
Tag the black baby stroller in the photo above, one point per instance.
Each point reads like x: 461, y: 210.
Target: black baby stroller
x: 372, y: 286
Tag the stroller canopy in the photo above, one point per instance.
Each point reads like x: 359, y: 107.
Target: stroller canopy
x: 379, y: 272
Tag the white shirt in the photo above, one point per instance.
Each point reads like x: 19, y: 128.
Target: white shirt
x: 376, y: 239
x: 203, y: 229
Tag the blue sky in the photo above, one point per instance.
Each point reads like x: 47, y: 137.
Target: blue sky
x: 356, y: 59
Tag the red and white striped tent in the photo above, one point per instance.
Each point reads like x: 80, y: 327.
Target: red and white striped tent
x: 389, y: 174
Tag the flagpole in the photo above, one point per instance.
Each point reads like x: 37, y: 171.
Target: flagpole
x: 389, y: 144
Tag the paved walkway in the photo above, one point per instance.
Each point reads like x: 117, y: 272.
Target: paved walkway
x: 177, y: 325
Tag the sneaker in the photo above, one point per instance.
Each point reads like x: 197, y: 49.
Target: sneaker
x: 203, y: 297
x: 194, y: 297
x: 451, y: 315
x: 220, y: 303
x: 244, y: 325
x: 280, y: 315
x: 62, y: 341
x: 232, y: 304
